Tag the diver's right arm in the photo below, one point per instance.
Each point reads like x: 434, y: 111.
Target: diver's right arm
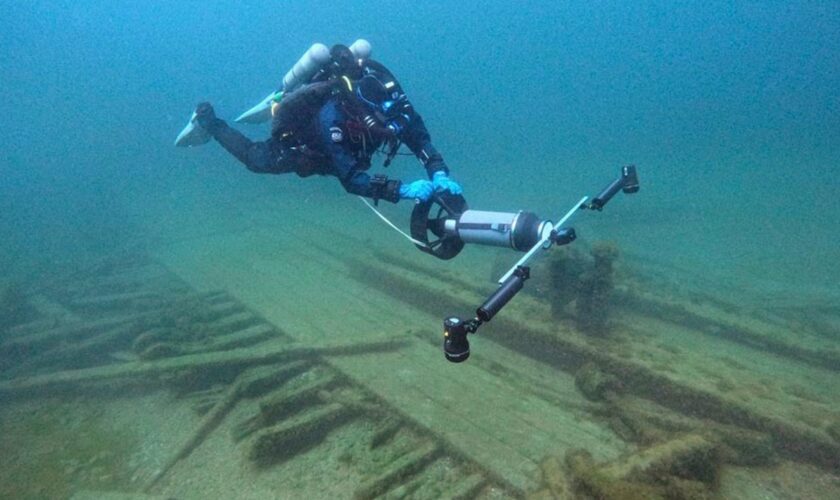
x: 347, y: 167
x: 258, y: 157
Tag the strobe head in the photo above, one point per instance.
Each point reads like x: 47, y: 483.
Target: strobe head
x: 456, y: 347
x: 629, y: 179
x: 627, y: 182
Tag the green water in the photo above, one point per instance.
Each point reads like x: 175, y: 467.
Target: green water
x: 730, y: 111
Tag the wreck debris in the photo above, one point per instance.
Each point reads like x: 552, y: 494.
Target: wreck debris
x: 558, y: 345
x: 684, y: 468
x: 76, y: 380
x: 404, y: 467
x: 580, y: 287
x: 248, y: 384
x: 275, y: 400
x: 593, y: 304
x: 595, y: 384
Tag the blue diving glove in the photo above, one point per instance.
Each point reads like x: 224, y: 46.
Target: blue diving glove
x: 442, y: 182
x: 420, y: 190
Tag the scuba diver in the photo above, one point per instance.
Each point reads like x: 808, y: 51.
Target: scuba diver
x: 335, y: 109
x: 333, y: 125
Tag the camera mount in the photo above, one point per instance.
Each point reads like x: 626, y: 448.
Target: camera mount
x: 520, y: 231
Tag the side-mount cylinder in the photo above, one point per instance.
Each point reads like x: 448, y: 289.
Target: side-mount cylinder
x: 305, y: 68
x: 312, y: 61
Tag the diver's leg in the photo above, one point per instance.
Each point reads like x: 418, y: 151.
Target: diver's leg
x: 257, y: 156
x: 260, y: 157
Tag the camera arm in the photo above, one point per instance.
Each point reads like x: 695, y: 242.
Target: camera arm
x: 456, y: 346
x: 628, y: 182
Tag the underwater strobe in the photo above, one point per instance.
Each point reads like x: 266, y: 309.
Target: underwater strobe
x: 454, y: 225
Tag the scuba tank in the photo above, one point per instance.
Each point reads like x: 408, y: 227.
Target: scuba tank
x: 306, y: 67
x: 361, y: 48
x: 312, y: 61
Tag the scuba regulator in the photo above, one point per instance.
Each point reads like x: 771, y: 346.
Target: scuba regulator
x: 444, y: 224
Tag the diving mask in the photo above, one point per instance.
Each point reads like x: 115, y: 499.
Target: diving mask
x: 379, y: 96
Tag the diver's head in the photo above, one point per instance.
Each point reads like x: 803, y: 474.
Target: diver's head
x: 343, y: 62
x: 380, y: 93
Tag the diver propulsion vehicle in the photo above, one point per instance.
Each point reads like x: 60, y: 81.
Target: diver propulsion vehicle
x: 444, y: 224
x: 309, y: 64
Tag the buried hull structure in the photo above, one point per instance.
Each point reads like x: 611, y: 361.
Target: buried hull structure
x: 199, y: 381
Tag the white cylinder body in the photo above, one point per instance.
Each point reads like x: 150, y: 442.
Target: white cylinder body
x: 486, y: 228
x: 306, y: 67
x: 361, y: 49
x: 519, y: 231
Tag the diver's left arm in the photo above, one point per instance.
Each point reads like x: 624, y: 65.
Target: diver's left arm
x: 414, y: 134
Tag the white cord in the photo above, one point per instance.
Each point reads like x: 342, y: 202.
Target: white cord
x: 416, y: 242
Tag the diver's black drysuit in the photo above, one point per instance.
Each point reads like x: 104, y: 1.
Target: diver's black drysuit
x: 324, y: 128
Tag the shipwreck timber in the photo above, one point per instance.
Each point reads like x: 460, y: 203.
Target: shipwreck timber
x: 283, y: 394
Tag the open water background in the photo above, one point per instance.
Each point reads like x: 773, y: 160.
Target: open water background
x: 730, y: 110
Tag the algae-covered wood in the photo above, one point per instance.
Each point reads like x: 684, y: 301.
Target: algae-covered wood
x: 313, y: 370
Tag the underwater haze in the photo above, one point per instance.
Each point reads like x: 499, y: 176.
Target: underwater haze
x: 729, y: 110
